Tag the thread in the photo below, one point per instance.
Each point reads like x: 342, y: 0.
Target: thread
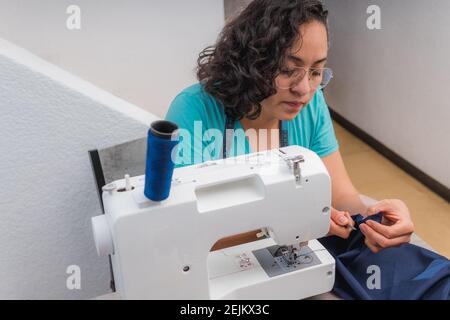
x: 159, y: 167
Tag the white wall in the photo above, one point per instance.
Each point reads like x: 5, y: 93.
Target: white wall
x: 393, y: 83
x: 143, y: 51
x: 49, y: 120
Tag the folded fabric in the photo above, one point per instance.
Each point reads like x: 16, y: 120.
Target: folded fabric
x: 407, y: 272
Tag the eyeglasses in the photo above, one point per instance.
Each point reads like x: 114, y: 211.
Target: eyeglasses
x: 289, y: 78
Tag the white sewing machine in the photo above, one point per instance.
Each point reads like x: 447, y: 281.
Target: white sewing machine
x: 161, y: 250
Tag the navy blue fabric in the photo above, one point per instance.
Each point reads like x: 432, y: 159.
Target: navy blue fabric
x: 408, y: 272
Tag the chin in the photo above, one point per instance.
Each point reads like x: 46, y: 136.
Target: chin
x: 287, y: 116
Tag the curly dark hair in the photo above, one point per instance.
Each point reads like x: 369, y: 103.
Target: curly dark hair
x: 240, y: 69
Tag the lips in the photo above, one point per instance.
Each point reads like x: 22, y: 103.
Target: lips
x: 294, y: 105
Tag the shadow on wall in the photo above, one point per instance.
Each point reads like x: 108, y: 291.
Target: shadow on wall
x: 233, y: 7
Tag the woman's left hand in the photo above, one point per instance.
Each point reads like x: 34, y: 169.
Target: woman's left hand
x: 395, y: 228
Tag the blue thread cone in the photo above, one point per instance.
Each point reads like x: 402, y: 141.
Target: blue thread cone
x: 159, y: 164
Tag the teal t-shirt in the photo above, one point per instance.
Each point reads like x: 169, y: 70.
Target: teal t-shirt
x: 202, y: 118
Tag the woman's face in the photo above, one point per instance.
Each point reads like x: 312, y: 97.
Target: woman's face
x: 310, y: 52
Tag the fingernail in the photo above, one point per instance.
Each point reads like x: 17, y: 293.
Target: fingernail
x: 342, y: 220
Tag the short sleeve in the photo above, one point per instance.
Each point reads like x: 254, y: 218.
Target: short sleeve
x: 324, y: 140
x: 185, y: 112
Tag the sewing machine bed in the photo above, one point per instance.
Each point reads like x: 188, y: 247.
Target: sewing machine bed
x: 415, y: 239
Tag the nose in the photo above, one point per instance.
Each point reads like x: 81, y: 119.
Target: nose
x: 303, y: 87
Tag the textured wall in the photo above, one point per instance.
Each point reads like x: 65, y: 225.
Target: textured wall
x: 393, y: 82
x: 49, y: 120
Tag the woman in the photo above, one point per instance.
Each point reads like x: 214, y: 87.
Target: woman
x: 266, y: 72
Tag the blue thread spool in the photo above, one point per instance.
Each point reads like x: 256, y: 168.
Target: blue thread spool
x: 161, y: 141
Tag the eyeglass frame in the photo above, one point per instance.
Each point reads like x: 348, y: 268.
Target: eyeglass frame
x: 307, y: 71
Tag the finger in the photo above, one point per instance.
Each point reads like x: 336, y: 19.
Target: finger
x: 339, y: 217
x: 380, y: 206
x: 374, y: 237
x: 374, y: 247
x: 380, y: 240
x: 349, y: 217
x: 388, y: 207
x: 339, y: 231
x: 371, y: 246
x: 392, y: 231
x: 383, y: 205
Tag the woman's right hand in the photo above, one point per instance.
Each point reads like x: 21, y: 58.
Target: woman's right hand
x: 340, y: 220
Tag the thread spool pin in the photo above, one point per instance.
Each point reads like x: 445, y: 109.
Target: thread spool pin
x: 127, y: 182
